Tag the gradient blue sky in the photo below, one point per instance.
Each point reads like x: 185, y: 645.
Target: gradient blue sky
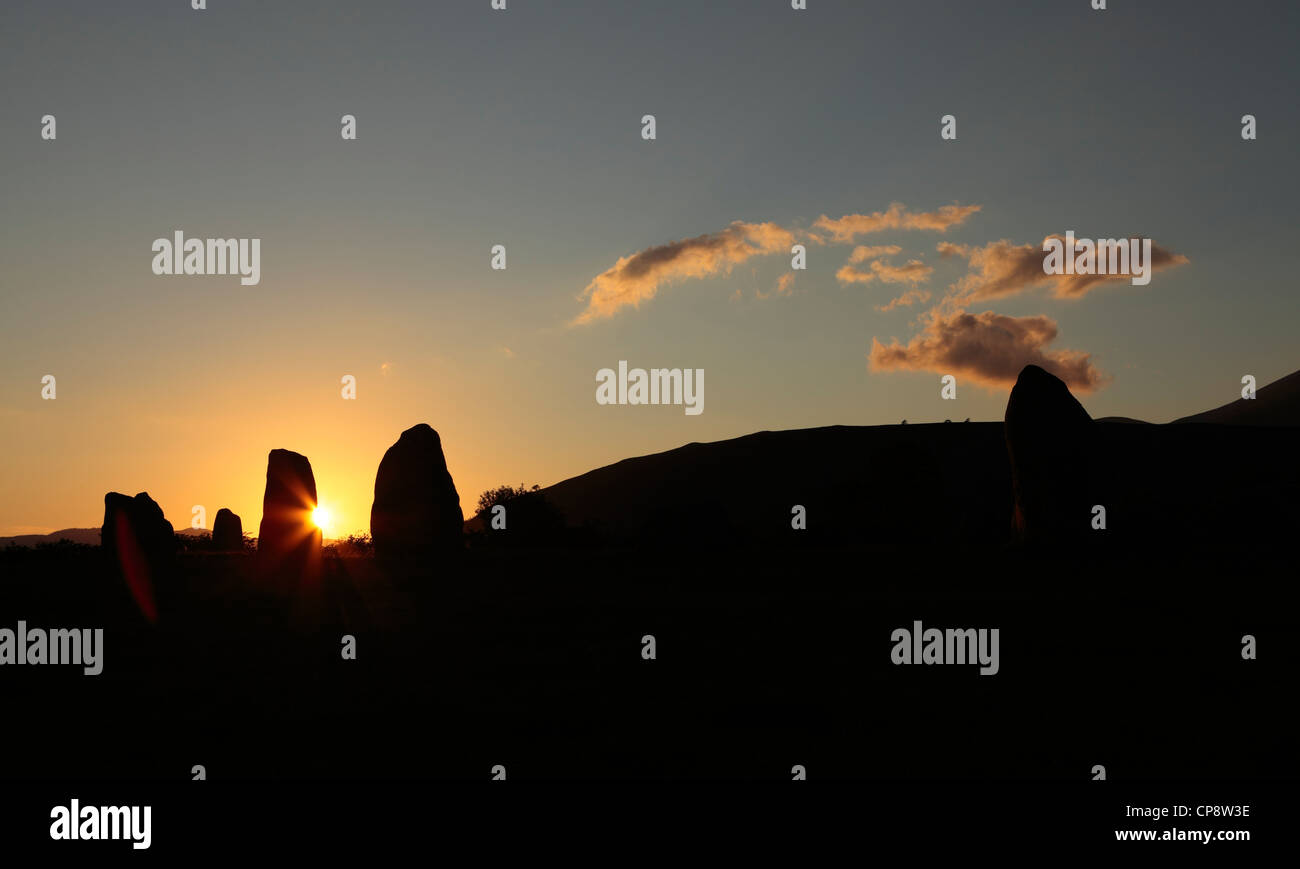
x: 523, y: 128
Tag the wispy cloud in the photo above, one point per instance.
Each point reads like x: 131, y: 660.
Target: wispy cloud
x: 637, y: 278
x: 863, y: 252
x: 1001, y: 268
x: 912, y: 272
x: 847, y: 228
x: 910, y: 297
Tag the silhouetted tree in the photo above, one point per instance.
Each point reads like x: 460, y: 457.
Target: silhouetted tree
x: 530, y: 518
x: 502, y: 495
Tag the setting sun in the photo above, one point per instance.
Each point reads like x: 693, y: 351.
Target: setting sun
x: 321, y: 518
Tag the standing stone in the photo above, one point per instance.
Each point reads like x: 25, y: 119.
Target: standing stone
x: 288, y: 542
x: 1049, y: 439
x: 228, y: 532
x: 140, y: 544
x: 416, y: 510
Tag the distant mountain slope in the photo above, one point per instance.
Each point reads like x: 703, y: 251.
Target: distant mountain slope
x: 866, y: 483
x: 89, y: 536
x: 1277, y: 404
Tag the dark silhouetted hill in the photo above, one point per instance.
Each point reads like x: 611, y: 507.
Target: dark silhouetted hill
x: 1277, y: 404
x: 865, y: 484
x: 1209, y: 484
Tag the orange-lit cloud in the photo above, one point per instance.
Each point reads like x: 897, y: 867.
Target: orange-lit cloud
x: 1001, y: 268
x: 863, y: 252
x: 908, y: 298
x: 988, y: 349
x: 782, y: 288
x: 850, y: 226
x: 913, y: 272
x: 636, y: 278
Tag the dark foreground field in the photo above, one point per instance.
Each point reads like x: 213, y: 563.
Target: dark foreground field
x: 767, y: 657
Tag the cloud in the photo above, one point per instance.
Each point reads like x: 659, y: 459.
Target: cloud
x: 862, y: 252
x: 908, y: 298
x: 988, y: 348
x: 913, y: 272
x: 637, y: 278
x: 1001, y: 268
x: 847, y: 228
x: 850, y: 275
x: 782, y: 288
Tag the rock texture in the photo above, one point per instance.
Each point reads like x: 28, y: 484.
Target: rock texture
x: 140, y: 544
x: 288, y: 541
x: 1049, y: 438
x: 228, y: 532
x: 416, y: 509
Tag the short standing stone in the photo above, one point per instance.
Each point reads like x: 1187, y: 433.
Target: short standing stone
x: 227, y: 532
x: 1048, y: 440
x: 140, y: 543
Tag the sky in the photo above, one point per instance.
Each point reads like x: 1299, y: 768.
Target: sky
x: 524, y: 128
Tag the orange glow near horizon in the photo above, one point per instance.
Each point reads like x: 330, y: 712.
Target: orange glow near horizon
x: 209, y: 447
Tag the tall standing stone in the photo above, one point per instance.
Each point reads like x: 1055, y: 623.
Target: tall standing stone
x: 1049, y: 439
x: 416, y: 510
x: 288, y: 541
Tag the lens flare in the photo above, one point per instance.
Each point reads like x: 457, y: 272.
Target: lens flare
x: 321, y: 518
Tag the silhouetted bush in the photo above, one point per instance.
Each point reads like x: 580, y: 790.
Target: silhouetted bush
x: 64, y: 546
x: 193, y: 542
x: 352, y: 546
